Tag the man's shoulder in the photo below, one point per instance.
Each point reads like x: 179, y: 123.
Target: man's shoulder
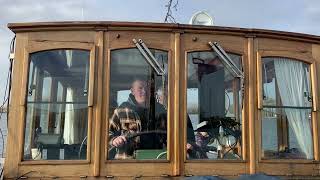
x: 126, y: 105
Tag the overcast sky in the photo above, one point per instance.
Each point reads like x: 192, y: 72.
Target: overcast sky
x: 285, y: 15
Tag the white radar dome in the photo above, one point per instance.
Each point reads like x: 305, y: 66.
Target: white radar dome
x: 201, y: 18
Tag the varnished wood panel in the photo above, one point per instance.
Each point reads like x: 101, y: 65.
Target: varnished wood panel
x: 36, y: 46
x: 217, y: 168
x: 105, y: 100
x: 14, y: 122
x: 266, y: 44
x: 98, y: 104
x: 199, y: 42
x: 252, y: 106
x: 288, y: 169
x: 137, y: 169
x: 55, y: 171
x: 123, y: 39
x: 305, y: 57
x: 177, y: 155
x: 63, y: 36
x: 316, y: 57
x: 316, y: 94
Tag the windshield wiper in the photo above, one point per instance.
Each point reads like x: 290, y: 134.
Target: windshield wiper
x: 151, y: 60
x: 230, y: 65
x: 226, y: 60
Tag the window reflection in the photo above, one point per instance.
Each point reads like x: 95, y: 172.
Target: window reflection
x: 138, y: 102
x: 286, y: 115
x: 56, y: 118
x: 213, y: 107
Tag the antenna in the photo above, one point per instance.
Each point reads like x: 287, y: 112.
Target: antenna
x: 82, y: 11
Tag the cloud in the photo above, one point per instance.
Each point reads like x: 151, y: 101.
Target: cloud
x: 20, y: 10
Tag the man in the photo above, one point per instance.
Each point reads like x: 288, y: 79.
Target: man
x: 161, y: 96
x: 133, y: 116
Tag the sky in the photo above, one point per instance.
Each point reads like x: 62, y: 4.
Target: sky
x: 286, y: 15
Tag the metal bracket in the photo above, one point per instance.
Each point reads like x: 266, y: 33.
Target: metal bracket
x: 11, y: 56
x: 151, y: 60
x: 226, y: 60
x: 229, y: 64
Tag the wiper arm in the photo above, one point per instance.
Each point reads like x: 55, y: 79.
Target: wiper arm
x: 229, y: 64
x: 151, y: 60
x: 226, y: 60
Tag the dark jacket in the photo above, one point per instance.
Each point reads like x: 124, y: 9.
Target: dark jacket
x: 129, y: 118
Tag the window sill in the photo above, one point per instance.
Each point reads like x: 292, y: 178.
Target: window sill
x: 289, y: 161
x: 215, y: 161
x: 137, y: 161
x: 54, y: 162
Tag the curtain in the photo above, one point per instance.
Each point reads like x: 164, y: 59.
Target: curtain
x: 70, y: 134
x: 291, y: 80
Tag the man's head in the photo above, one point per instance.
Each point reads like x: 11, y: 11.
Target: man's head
x: 160, y: 95
x: 138, y: 90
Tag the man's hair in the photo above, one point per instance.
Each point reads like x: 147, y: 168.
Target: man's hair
x: 137, y: 78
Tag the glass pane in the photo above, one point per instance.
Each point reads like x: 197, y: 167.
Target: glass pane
x: 213, y: 107
x: 57, y: 114
x: 138, y: 106
x: 275, y: 70
x: 286, y: 133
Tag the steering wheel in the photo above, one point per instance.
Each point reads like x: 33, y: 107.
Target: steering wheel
x: 130, y: 136
x: 199, y: 152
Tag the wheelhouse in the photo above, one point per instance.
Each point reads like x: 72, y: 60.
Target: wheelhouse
x: 188, y: 100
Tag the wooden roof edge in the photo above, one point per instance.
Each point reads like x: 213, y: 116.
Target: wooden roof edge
x: 104, y: 25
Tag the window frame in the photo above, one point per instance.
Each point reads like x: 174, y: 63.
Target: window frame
x: 235, y: 45
x: 117, y: 40
x: 240, y: 114
x: 108, y: 111
x: 39, y: 46
x: 298, y: 56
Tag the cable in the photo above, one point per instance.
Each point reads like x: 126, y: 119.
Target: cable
x: 227, y: 110
x: 161, y: 154
x: 7, y: 92
x: 80, y: 149
x: 1, y: 173
x: 2, y: 137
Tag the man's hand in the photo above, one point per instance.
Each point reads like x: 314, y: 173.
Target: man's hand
x: 189, y: 146
x: 119, y: 141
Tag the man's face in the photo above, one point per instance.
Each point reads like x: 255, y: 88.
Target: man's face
x: 160, y: 96
x: 138, y: 90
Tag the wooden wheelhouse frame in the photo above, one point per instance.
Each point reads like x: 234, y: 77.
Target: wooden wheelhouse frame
x: 100, y: 38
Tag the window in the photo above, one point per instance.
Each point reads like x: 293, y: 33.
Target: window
x: 213, y: 108
x: 286, y: 113
x: 137, y: 106
x: 57, y: 105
